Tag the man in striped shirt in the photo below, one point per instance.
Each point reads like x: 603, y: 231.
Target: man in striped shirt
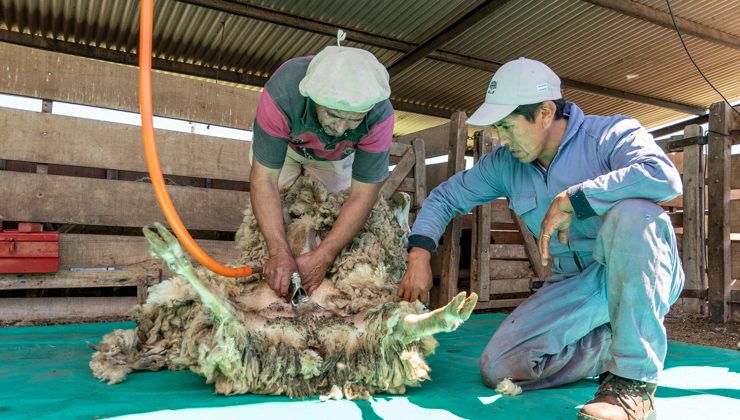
x: 328, y: 117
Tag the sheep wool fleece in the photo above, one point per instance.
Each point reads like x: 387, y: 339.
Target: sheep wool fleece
x: 615, y: 279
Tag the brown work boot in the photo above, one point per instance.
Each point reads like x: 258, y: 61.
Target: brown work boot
x: 620, y: 399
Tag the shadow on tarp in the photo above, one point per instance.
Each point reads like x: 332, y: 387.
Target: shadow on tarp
x: 44, y: 374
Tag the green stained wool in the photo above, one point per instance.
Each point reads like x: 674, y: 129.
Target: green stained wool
x: 165, y: 245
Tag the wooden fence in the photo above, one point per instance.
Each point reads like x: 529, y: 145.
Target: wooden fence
x: 88, y: 178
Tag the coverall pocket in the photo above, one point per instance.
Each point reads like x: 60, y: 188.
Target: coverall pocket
x: 523, y: 202
x: 591, y: 226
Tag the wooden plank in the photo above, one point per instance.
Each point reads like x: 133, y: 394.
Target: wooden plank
x: 513, y: 285
x: 678, y: 157
x: 399, y: 173
x: 735, y: 171
x: 676, y: 218
x: 74, y: 308
x: 736, y: 261
x: 420, y: 173
x: 533, y: 251
x: 735, y: 215
x: 718, y: 180
x: 78, y: 279
x: 407, y: 185
x: 398, y: 149
x: 61, y: 77
x: 70, y: 200
x: 735, y: 312
x: 499, y: 303
x: 510, y: 269
x: 436, y: 139
x: 436, y: 174
x: 506, y: 237
x: 676, y: 203
x: 500, y: 212
x: 79, y: 250
x: 481, y: 240
x: 693, y: 221
x: 451, y: 239
x: 508, y: 252
x: 55, y: 139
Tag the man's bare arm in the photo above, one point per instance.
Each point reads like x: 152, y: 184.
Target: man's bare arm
x: 267, y: 209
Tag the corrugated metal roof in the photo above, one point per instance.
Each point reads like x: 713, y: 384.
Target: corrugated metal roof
x: 581, y: 41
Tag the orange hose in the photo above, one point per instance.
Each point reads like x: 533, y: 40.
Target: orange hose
x: 150, y: 150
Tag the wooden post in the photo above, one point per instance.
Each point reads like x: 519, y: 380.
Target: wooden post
x: 403, y: 167
x: 420, y: 183
x: 420, y: 174
x: 718, y: 180
x: 480, y: 265
x: 450, y: 249
x: 533, y: 251
x: 693, y: 223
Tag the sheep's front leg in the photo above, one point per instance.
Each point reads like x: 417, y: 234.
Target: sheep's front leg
x: 444, y: 319
x: 164, y: 245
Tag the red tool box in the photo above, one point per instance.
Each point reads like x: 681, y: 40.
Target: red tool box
x: 28, y: 250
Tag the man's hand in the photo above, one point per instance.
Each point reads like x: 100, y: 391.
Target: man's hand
x: 351, y: 218
x: 417, y: 280
x: 278, y: 270
x: 558, y: 218
x: 312, y: 266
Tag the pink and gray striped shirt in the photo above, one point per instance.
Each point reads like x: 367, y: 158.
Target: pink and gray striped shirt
x: 285, y: 118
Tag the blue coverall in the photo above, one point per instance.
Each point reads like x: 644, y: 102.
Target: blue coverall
x: 615, y: 279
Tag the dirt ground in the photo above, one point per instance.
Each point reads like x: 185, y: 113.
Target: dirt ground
x: 697, y: 329
x: 689, y: 328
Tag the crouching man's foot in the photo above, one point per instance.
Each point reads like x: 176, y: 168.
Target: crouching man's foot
x: 620, y: 399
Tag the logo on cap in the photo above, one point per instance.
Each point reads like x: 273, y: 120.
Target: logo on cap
x: 491, y: 87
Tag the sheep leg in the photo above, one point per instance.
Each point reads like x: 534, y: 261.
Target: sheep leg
x: 164, y: 245
x: 444, y: 319
x: 400, y: 206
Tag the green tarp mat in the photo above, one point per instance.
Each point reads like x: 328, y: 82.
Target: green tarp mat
x: 44, y: 374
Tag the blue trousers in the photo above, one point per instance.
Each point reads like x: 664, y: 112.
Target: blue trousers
x: 607, y: 317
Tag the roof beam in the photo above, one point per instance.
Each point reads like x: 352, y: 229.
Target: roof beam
x: 177, y: 67
x: 296, y: 22
x: 491, y: 66
x: 284, y: 19
x: 633, y: 97
x: 657, y: 17
x: 121, y: 57
x: 660, y: 132
x: 452, y: 31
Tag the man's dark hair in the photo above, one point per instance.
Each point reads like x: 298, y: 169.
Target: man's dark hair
x: 528, y: 111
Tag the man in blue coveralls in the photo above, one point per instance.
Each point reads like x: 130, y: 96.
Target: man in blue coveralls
x: 593, y: 183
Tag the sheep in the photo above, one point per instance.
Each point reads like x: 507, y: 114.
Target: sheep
x: 353, y: 339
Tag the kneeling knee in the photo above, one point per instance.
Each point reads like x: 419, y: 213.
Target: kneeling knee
x: 492, y: 371
x: 633, y: 209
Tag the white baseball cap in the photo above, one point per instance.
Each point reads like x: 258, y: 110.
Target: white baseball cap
x: 518, y: 82
x: 345, y: 78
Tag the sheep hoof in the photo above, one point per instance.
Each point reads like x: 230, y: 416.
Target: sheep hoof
x: 459, y: 309
x: 444, y: 319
